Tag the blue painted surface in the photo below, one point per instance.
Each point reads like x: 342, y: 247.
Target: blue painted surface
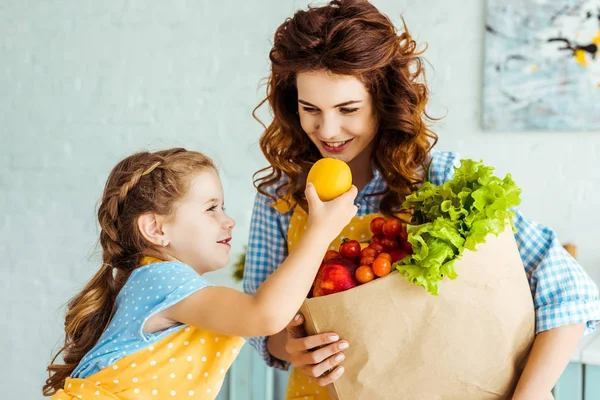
x: 570, y: 384
x: 592, y: 382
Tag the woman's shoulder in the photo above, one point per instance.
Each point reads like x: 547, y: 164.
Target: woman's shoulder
x: 441, y: 165
x: 270, y: 197
x: 271, y: 188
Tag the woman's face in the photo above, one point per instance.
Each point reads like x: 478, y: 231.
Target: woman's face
x: 336, y: 112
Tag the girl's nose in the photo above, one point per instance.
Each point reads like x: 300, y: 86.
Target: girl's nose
x: 229, y: 222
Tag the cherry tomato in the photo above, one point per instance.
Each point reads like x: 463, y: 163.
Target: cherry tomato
x: 377, y: 238
x: 350, y: 249
x: 403, y: 235
x: 369, y: 252
x: 364, y: 274
x: 381, y: 266
x: 330, y: 254
x: 377, y: 246
x: 376, y: 225
x: 367, y: 260
x: 389, y: 243
x: 398, y: 255
x: 386, y: 255
x: 392, y: 227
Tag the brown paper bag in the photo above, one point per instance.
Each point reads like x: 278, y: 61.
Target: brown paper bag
x: 470, y: 342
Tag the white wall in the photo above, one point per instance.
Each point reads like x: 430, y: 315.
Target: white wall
x: 85, y: 83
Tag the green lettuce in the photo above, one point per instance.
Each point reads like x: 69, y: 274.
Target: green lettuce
x: 452, y: 217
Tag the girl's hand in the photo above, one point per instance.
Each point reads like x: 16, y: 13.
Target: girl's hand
x: 316, y: 356
x: 330, y: 217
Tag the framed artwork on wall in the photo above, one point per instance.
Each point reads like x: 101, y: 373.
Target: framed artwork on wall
x: 542, y: 65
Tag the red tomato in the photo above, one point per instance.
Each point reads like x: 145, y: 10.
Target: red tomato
x: 381, y: 266
x: 392, y: 227
x: 398, y: 255
x: 350, y: 249
x: 364, y: 274
x: 367, y: 260
x: 386, y: 255
x: 377, y: 239
x: 376, y: 225
x: 377, y: 246
x: 403, y: 235
x: 389, y: 243
x: 369, y: 252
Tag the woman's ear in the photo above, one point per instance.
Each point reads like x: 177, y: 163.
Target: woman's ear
x: 150, y: 227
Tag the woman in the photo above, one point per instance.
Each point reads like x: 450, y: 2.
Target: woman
x: 346, y: 84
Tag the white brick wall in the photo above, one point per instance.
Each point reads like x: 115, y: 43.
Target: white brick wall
x: 84, y: 83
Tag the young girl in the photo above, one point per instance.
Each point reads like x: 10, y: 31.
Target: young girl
x: 345, y: 83
x: 148, y: 325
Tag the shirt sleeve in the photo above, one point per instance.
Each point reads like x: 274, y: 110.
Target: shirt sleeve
x: 563, y: 293
x: 267, y: 249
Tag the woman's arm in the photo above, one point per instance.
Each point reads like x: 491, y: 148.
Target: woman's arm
x: 566, y: 305
x: 267, y: 249
x: 550, y: 354
x: 276, y: 345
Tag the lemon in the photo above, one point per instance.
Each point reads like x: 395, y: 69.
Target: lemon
x: 331, y: 178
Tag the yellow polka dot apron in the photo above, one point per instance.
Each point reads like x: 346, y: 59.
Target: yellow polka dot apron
x: 301, y: 386
x: 190, y: 363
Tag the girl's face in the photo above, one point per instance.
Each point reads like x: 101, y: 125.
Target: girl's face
x: 199, y: 230
x: 336, y: 112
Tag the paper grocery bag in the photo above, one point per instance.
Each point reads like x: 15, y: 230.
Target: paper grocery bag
x: 470, y: 342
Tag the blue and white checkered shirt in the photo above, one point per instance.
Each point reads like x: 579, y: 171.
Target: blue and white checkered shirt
x: 562, y: 291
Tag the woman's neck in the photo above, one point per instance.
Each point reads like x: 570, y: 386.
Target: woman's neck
x: 362, y: 170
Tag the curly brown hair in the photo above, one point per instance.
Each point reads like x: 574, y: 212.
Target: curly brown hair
x: 352, y: 38
x: 141, y: 183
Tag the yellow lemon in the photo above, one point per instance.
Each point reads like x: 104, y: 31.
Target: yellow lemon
x: 331, y: 178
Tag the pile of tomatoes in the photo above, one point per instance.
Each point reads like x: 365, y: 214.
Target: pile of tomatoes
x: 388, y: 245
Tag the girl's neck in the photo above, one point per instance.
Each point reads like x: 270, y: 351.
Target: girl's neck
x: 361, y: 167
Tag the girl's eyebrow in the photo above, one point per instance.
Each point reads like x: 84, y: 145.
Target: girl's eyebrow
x: 346, y: 103
x: 213, y: 200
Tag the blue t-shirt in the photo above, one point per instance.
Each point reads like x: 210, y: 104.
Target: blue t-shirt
x: 149, y: 290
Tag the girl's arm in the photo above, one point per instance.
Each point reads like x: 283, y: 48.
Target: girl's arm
x: 549, y: 356
x: 227, y: 311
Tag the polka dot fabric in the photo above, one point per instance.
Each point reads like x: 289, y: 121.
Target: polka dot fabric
x: 153, y: 287
x: 189, y: 364
x: 300, y: 386
x: 179, y: 362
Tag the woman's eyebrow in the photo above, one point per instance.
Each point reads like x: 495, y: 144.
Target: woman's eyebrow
x: 346, y: 103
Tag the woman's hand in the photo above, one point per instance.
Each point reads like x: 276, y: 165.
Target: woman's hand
x: 316, y: 356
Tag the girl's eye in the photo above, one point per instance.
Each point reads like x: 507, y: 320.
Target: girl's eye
x: 348, y: 110
x: 213, y: 208
x: 310, y: 109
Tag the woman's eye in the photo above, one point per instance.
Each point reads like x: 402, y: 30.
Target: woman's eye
x: 348, y: 110
x: 310, y: 109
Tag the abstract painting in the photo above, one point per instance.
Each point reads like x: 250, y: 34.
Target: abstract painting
x: 542, y: 65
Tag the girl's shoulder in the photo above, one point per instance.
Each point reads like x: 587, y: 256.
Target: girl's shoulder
x: 161, y: 268
x: 158, y: 281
